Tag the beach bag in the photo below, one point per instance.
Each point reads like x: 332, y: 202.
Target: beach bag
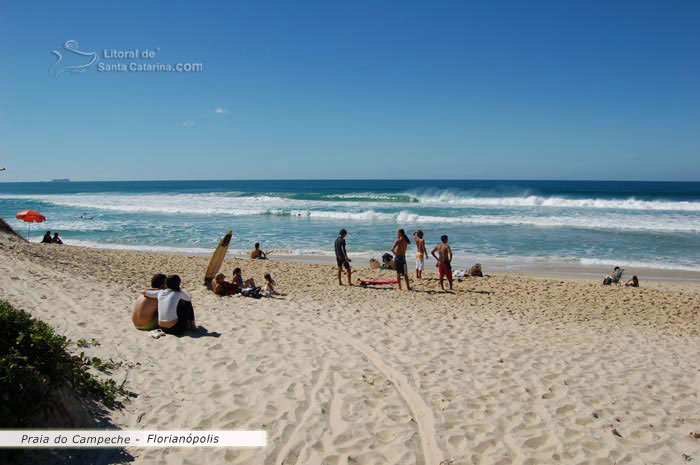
x: 255, y: 293
x: 475, y: 270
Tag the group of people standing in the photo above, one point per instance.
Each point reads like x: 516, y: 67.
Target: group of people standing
x: 441, y: 252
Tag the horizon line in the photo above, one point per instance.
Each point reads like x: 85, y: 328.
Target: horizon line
x: 69, y: 181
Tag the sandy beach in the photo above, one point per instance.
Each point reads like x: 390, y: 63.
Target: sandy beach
x: 509, y: 369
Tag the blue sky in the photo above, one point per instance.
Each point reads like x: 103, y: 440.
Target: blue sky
x: 459, y: 90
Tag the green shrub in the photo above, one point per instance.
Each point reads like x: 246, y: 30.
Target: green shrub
x: 34, y: 364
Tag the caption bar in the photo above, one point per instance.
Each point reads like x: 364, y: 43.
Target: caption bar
x: 117, y: 438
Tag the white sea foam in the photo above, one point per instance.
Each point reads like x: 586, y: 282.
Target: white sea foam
x: 611, y: 221
x: 638, y: 264
x: 649, y: 215
x: 237, y: 203
x: 140, y: 248
x: 458, y: 199
x: 78, y: 225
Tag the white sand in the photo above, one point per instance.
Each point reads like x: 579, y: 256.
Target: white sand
x: 506, y: 370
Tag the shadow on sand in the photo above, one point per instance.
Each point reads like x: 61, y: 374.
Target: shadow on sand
x: 73, y: 413
x: 201, y: 332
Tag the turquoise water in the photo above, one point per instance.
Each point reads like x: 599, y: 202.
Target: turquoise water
x: 642, y: 224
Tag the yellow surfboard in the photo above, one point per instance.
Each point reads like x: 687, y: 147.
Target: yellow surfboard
x: 217, y: 259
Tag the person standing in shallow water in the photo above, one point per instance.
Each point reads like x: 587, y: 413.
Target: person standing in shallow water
x: 341, y: 257
x: 399, y: 251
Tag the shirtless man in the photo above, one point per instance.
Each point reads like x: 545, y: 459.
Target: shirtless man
x: 444, y: 259
x: 145, y: 316
x: 421, y: 253
x: 399, y: 251
x: 220, y: 286
x: 256, y: 253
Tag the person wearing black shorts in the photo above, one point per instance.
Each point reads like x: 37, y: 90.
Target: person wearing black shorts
x: 399, y: 250
x: 341, y: 257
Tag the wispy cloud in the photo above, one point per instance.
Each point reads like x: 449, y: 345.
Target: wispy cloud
x: 220, y: 110
x: 188, y: 123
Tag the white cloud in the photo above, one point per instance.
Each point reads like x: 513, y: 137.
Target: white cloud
x: 220, y: 111
x: 188, y: 123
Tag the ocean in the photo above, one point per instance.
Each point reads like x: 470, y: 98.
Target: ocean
x: 512, y: 224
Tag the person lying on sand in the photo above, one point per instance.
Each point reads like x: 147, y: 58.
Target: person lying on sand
x: 145, y: 315
x: 258, y: 254
x: 220, y: 286
x: 444, y: 259
x: 175, y: 312
x: 632, y: 282
x: 238, y: 281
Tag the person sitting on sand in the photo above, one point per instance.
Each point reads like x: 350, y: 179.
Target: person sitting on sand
x: 269, y: 287
x: 47, y: 238
x: 614, y: 277
x: 399, y: 250
x: 145, y: 315
x: 220, y: 286
x: 257, y: 253
x: 444, y: 259
x: 238, y: 281
x: 175, y: 312
x: 56, y: 239
x: 632, y: 282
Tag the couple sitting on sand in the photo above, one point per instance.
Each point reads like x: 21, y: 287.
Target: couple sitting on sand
x: 47, y: 239
x: 164, y: 306
x: 244, y: 287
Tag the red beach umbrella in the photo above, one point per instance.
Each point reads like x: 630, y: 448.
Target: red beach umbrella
x: 29, y: 217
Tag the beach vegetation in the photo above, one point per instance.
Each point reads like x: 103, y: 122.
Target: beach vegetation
x: 35, y: 366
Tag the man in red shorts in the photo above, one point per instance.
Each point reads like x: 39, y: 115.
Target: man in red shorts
x: 444, y: 259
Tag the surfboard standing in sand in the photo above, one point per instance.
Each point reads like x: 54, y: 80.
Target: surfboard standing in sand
x: 217, y: 259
